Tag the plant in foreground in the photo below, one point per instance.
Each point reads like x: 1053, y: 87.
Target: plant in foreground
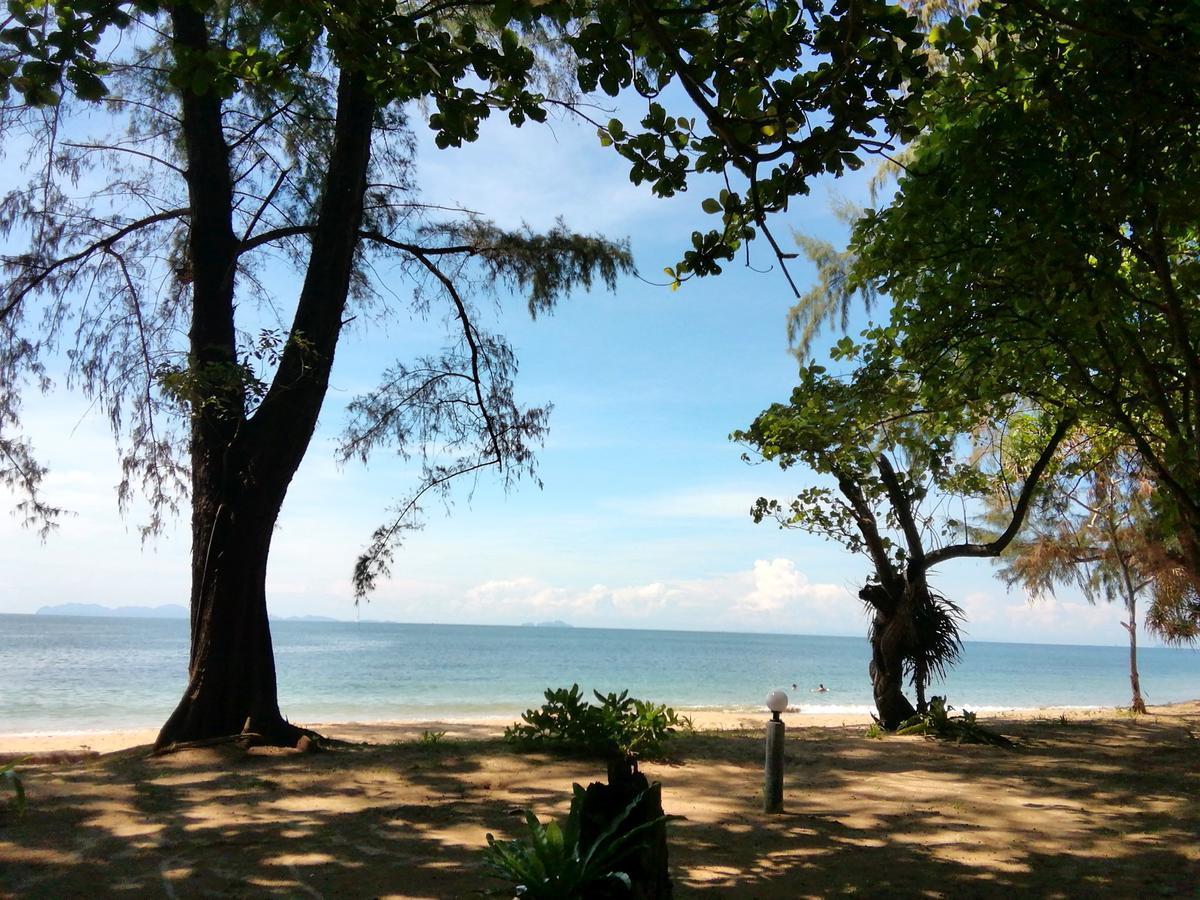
x: 8, y: 774
x: 554, y: 864
x: 938, y: 723
x: 432, y: 737
x: 619, y: 726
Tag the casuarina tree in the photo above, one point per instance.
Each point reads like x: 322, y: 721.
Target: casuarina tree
x: 1093, y: 527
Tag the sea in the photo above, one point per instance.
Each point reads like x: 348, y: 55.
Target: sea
x: 79, y: 675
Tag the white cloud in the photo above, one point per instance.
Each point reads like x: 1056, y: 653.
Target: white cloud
x: 644, y: 597
x: 1066, y: 617
x: 779, y: 585
x: 1001, y: 615
x: 535, y: 175
x: 772, y: 593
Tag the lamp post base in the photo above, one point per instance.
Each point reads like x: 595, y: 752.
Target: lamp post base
x: 773, y: 782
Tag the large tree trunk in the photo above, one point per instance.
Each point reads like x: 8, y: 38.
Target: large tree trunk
x: 889, y: 637
x: 231, y: 675
x: 242, y: 465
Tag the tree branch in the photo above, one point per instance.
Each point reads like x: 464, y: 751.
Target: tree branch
x: 996, y: 547
x: 100, y: 245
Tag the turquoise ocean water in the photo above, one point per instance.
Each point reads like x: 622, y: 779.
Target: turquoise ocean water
x: 75, y: 675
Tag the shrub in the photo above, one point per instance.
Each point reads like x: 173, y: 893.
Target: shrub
x: 620, y: 725
x: 553, y: 865
x: 8, y: 774
x: 938, y: 723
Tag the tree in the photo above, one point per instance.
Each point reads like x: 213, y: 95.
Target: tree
x: 1046, y: 224
x: 1089, y: 528
x: 1093, y: 527
x: 255, y: 133
x: 252, y: 132
x: 899, y: 458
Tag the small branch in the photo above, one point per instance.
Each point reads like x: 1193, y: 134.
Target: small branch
x: 131, y: 151
x: 903, y: 508
x: 418, y: 251
x: 469, y: 335
x: 105, y: 243
x: 275, y: 234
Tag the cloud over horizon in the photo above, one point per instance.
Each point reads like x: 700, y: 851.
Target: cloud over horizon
x: 772, y: 595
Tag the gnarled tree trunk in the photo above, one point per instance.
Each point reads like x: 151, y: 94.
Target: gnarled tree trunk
x: 889, y: 636
x: 646, y: 863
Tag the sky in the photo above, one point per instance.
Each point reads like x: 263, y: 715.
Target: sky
x: 643, y: 518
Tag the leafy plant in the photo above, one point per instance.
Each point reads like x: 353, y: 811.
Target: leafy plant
x: 432, y: 737
x: 620, y: 725
x: 552, y: 864
x: 875, y: 731
x: 8, y: 774
x: 963, y: 729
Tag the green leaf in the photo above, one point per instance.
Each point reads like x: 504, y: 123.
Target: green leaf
x: 501, y: 12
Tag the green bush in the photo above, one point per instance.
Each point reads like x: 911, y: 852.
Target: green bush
x: 938, y: 723
x: 620, y: 725
x: 553, y: 865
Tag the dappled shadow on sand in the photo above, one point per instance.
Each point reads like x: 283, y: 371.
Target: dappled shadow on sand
x: 1082, y: 809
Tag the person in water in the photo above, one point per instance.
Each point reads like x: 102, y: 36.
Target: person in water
x: 820, y: 689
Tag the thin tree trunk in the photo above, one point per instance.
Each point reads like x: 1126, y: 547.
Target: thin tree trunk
x: 887, y: 682
x: 1137, y: 704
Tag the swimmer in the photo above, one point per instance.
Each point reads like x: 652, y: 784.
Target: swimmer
x: 820, y: 689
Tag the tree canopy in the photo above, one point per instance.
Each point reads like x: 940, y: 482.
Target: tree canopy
x: 1043, y: 234
x: 906, y: 463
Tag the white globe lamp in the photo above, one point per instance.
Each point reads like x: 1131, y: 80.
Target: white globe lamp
x: 777, y: 702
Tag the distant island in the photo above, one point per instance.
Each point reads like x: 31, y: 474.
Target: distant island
x: 554, y: 623
x: 165, y: 611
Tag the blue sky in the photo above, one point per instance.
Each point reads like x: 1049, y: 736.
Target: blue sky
x: 643, y: 519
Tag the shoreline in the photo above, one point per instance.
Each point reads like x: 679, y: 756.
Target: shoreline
x: 88, y: 743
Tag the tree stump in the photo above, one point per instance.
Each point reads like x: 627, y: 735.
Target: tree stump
x: 646, y: 864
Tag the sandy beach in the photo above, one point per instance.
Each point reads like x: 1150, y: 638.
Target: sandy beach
x: 1093, y: 803
x: 83, y: 743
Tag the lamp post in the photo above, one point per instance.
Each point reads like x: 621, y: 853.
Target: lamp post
x: 777, y: 702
